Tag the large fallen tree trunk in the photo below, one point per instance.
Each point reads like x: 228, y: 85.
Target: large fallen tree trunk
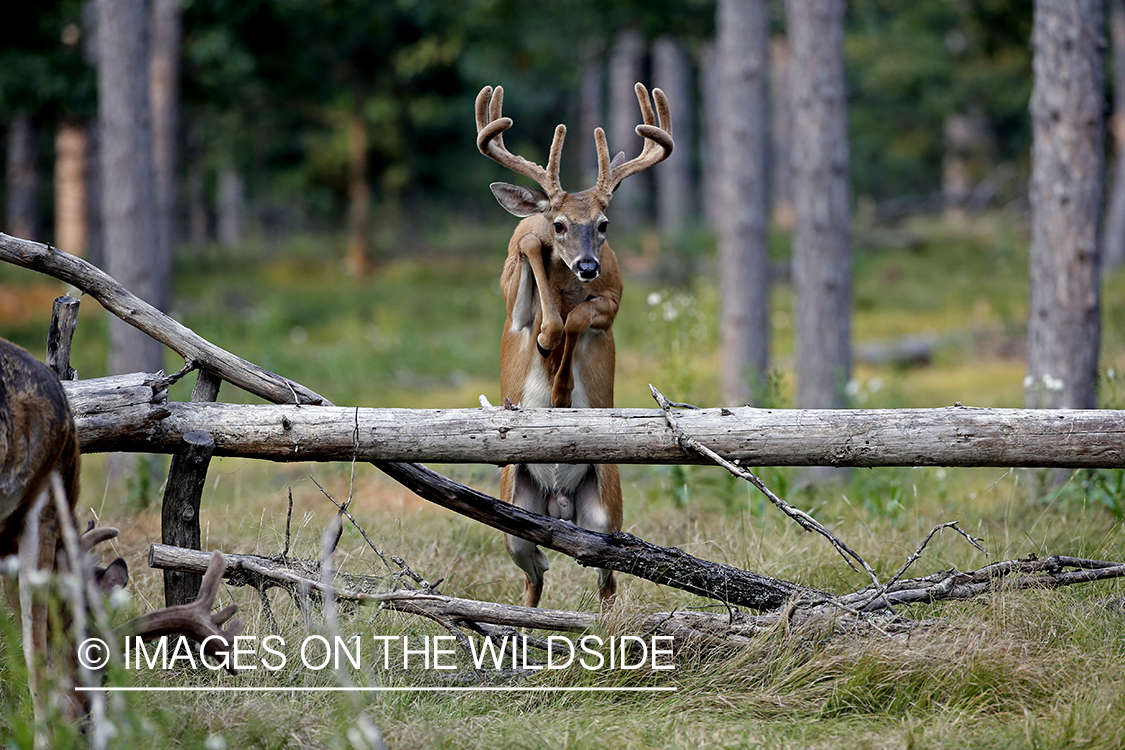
x: 129, y: 413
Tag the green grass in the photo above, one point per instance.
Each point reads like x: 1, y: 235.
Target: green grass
x: 1013, y: 670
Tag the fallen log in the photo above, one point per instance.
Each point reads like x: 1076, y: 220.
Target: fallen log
x: 847, y: 610
x: 129, y: 413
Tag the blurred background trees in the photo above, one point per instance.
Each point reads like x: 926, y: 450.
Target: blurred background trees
x: 350, y: 121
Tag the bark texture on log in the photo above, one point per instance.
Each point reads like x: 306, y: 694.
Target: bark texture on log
x: 129, y: 413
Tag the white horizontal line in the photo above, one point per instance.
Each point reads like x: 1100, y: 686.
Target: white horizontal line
x: 431, y: 689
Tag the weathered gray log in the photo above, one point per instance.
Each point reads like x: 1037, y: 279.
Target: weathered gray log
x: 952, y: 436
x: 64, y: 319
x: 140, y: 314
x: 179, y: 513
x: 187, y: 473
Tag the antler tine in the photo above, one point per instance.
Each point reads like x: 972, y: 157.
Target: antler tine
x: 490, y: 140
x: 93, y: 536
x: 195, y: 619
x: 656, y: 129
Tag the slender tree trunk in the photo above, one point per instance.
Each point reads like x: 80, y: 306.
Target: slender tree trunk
x: 590, y: 97
x: 231, y: 202
x: 743, y: 121
x: 1066, y: 190
x: 624, y: 115
x: 781, y: 134
x: 1113, y: 247
x: 359, y: 197
x: 128, y: 182
x: 822, y: 264
x: 164, y: 93
x: 710, y: 96
x: 671, y: 71
x: 70, y: 188
x: 22, y: 177
x: 196, y: 185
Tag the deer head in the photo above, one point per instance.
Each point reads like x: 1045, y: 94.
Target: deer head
x: 578, y: 220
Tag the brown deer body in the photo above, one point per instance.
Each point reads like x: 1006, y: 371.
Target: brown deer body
x: 562, y: 289
x: 39, y: 442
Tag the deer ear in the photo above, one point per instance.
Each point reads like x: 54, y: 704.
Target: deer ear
x: 519, y: 200
x: 115, y: 575
x: 617, y: 161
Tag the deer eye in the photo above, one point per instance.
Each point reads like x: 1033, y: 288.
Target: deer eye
x: 560, y: 228
x: 603, y: 226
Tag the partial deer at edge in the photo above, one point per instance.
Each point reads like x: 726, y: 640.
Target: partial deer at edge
x: 39, y: 451
x: 562, y: 288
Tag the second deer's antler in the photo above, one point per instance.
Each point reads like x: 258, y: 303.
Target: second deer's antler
x: 195, y: 619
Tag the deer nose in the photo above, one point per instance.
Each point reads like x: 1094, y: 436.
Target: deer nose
x: 587, y: 269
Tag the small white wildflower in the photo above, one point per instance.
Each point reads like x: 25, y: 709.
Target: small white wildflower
x: 1028, y: 382
x: 119, y: 599
x: 670, y: 312
x: 215, y: 742
x: 1111, y: 373
x: 654, y: 299
x: 11, y: 566
x: 875, y: 384
x: 853, y: 388
x: 1053, y: 384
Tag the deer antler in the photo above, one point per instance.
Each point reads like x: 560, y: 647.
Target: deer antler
x: 658, y: 143
x: 196, y: 619
x: 490, y: 140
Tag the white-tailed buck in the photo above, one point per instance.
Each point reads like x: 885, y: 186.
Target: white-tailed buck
x: 562, y: 288
x: 39, y: 459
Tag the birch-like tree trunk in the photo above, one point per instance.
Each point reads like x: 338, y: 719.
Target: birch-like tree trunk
x: 743, y: 122
x: 1064, y: 331
x: 822, y: 263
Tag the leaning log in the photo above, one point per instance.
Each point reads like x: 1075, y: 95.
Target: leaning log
x: 141, y: 420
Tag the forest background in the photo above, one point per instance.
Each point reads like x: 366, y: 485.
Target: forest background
x: 326, y: 215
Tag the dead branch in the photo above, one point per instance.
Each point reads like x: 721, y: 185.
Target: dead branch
x: 803, y: 519
x: 843, y: 612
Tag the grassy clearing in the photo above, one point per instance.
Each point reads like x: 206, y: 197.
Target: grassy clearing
x: 1016, y: 670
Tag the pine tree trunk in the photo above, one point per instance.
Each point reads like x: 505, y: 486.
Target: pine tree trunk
x: 231, y: 202
x: 781, y: 134
x: 590, y: 97
x: 1066, y: 190
x: 624, y: 115
x: 22, y: 178
x: 70, y: 188
x: 743, y: 121
x: 822, y: 264
x: 164, y: 95
x: 128, y: 181
x: 1113, y: 239
x: 671, y: 71
x: 359, y: 198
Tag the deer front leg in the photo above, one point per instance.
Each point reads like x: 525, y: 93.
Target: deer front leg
x: 551, y: 326
x: 597, y: 313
